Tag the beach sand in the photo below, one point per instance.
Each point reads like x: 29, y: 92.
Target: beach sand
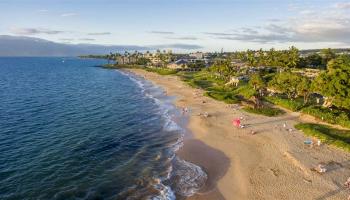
x: 272, y: 164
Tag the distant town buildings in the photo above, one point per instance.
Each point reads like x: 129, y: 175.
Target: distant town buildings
x: 245, y: 62
x: 179, y: 64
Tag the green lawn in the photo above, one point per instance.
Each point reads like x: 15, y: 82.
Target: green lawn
x: 162, y: 71
x: 332, y: 136
x: 332, y: 116
x: 293, y: 105
x: 215, y: 88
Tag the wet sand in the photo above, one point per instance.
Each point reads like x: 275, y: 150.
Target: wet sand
x: 272, y: 164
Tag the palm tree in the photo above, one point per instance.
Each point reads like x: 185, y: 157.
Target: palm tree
x: 251, y: 58
x: 294, y: 57
x: 271, y: 57
x: 262, y: 60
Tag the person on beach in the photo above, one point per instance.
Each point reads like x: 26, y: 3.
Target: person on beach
x: 347, y: 183
x: 237, y: 123
x: 347, y: 186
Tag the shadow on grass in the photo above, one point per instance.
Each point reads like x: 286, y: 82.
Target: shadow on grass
x: 336, y: 137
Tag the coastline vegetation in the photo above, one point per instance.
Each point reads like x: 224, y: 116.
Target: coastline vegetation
x: 162, y: 71
x: 216, y: 89
x: 332, y: 136
x: 331, y: 116
x: 119, y: 66
x: 317, y: 84
x: 293, y: 105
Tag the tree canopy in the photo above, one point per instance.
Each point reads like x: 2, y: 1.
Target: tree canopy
x: 285, y: 82
x: 334, y: 83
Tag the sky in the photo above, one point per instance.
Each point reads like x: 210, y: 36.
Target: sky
x: 205, y: 25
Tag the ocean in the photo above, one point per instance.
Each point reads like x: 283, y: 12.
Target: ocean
x: 70, y: 129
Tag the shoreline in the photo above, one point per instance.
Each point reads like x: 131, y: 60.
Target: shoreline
x: 273, y: 164
x: 193, y: 150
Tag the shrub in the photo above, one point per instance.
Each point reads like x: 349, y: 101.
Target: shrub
x: 335, y: 137
x: 227, y: 97
x: 119, y: 66
x: 246, y: 91
x: 332, y: 116
x: 267, y: 111
x: 162, y: 71
x: 293, y: 105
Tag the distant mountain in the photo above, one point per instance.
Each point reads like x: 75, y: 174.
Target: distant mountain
x: 30, y: 46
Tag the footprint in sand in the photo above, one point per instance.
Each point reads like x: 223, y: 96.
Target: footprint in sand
x: 275, y: 172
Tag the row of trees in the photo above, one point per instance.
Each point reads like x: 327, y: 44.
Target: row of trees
x: 286, y: 58
x: 292, y: 85
x: 333, y: 84
x: 223, y: 69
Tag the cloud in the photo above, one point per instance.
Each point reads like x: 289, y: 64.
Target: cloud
x: 260, y: 38
x: 217, y: 34
x: 162, y: 32
x: 100, y: 33
x: 293, y: 7
x: 176, y: 46
x: 42, y: 11
x: 342, y: 5
x: 276, y: 28
x: 34, y: 31
x: 308, y: 12
x: 68, y: 14
x: 66, y: 39
x: 325, y: 26
x: 274, y: 20
x: 87, y: 39
x: 249, y: 30
x: 183, y: 38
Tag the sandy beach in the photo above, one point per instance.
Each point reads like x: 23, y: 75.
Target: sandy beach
x: 272, y: 164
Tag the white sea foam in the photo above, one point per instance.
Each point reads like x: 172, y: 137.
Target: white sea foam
x: 139, y: 83
x: 186, y: 178
x: 165, y: 193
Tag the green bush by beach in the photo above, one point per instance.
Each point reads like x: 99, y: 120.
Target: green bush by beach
x: 335, y: 137
x: 201, y: 79
x: 162, y: 71
x: 246, y: 91
x: 227, y: 97
x: 267, y: 111
x: 332, y: 116
x: 119, y: 66
x: 214, y: 87
x: 293, y: 105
